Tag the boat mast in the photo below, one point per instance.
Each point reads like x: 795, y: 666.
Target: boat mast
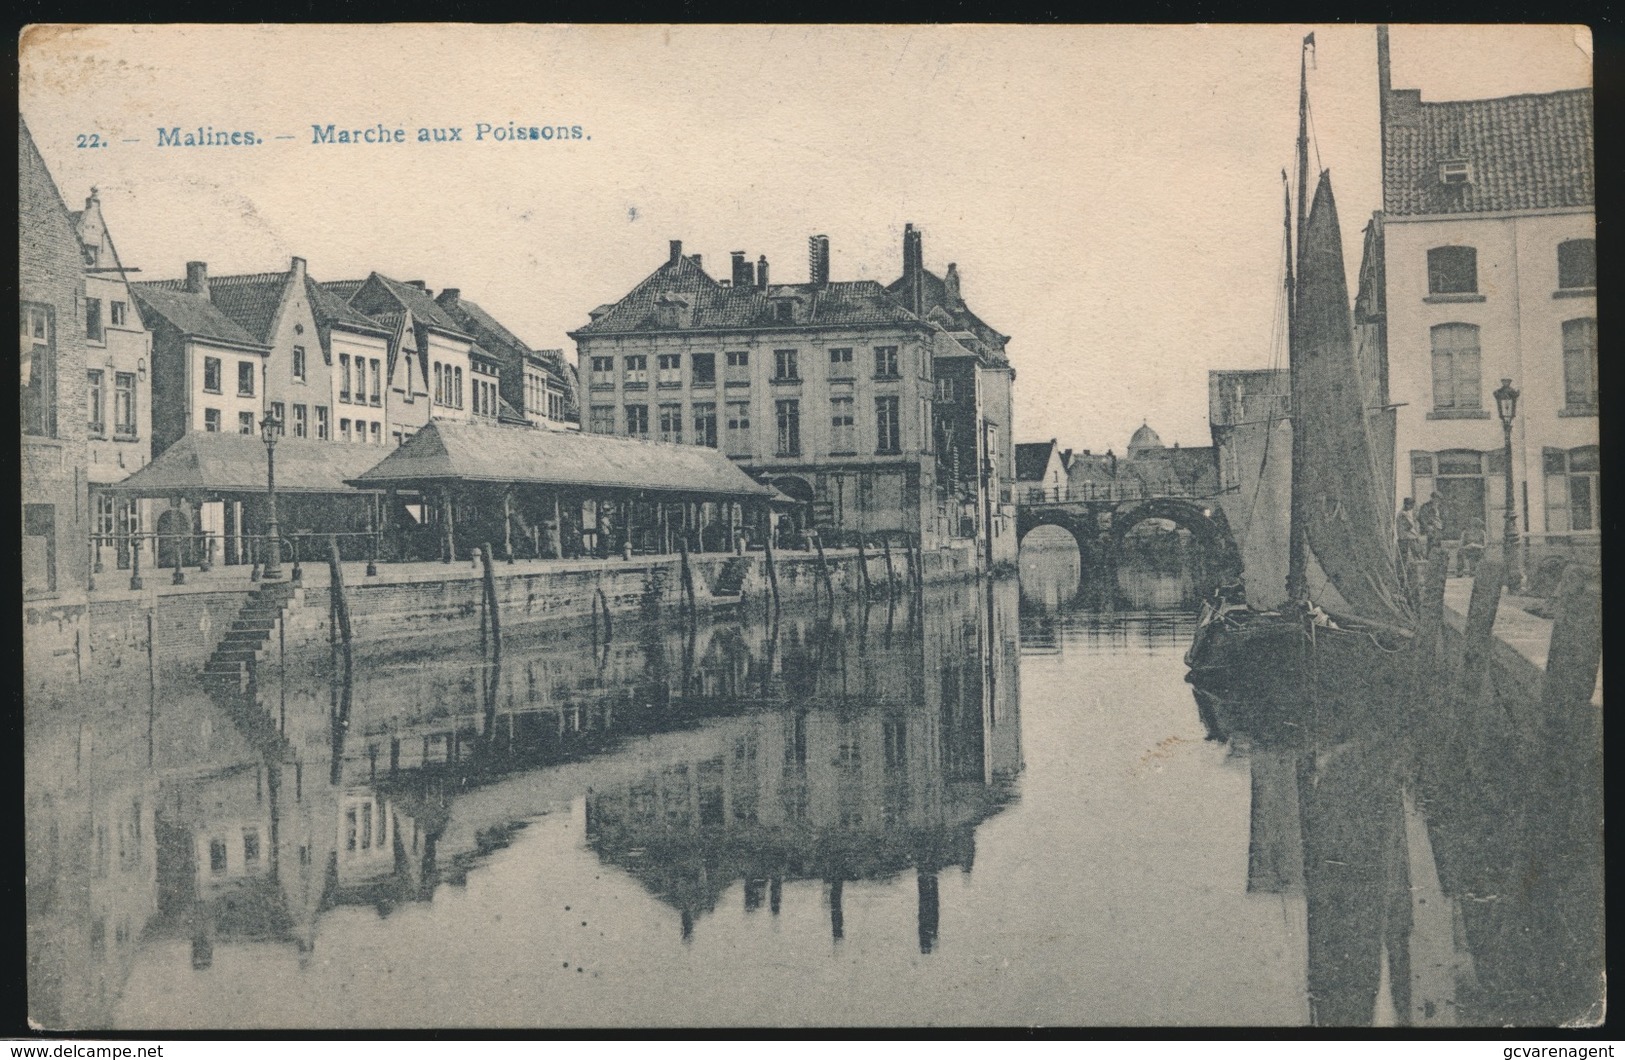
x: 1297, y: 578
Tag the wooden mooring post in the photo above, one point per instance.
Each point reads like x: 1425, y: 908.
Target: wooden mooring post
x: 1576, y: 648
x: 341, y: 603
x: 687, y: 574
x: 492, y: 607
x: 1479, y: 632
x: 891, y: 570
x: 863, y: 567
x: 772, y: 568
x: 823, y: 566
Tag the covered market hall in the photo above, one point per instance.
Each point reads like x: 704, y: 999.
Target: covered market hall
x: 457, y: 486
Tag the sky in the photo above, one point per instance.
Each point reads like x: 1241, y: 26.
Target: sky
x: 1111, y: 195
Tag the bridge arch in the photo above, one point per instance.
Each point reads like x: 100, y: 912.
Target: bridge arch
x: 1206, y: 524
x: 1082, y: 528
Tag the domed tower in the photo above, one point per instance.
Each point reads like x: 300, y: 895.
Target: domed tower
x: 1144, y: 439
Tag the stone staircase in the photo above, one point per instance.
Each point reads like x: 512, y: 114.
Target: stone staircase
x: 267, y: 607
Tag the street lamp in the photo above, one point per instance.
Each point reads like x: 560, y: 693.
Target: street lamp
x: 270, y: 428
x: 1506, y: 406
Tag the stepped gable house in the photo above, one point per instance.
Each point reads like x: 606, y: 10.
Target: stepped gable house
x: 876, y: 410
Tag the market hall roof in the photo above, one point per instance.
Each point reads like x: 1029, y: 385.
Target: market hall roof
x: 1525, y: 152
x: 450, y: 451
x: 205, y: 462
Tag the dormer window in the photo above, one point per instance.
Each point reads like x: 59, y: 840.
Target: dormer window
x: 669, y: 311
x: 1458, y: 171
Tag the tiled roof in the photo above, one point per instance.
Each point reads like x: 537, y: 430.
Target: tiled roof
x: 680, y: 296
x: 331, y: 309
x: 235, y: 463
x: 1527, y: 152
x: 344, y: 289
x: 424, y: 309
x: 448, y: 450
x: 934, y: 297
x: 1032, y: 459
x: 475, y: 320
x: 191, y: 314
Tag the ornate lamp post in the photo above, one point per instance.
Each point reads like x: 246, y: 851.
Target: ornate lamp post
x: 270, y: 428
x: 1506, y: 406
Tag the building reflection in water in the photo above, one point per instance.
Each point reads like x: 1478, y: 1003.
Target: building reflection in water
x: 858, y: 745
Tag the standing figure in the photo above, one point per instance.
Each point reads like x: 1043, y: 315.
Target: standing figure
x: 1430, y: 521
x: 1410, y: 538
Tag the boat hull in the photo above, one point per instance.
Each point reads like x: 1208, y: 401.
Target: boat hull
x: 1281, y: 678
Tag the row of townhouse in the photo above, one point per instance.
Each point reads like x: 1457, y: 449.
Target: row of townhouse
x: 358, y: 361
x: 116, y: 371
x: 874, y: 409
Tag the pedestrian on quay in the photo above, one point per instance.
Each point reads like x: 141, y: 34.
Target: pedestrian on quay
x: 1430, y: 521
x: 1472, y: 548
x: 1410, y: 538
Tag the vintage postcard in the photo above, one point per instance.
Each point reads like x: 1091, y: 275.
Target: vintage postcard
x: 782, y: 526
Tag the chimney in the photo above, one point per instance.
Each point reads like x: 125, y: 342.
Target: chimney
x: 696, y: 258
x: 676, y: 251
x: 449, y: 297
x: 1404, y: 107
x: 1384, y: 89
x: 197, y: 277
x: 818, y: 260
x: 93, y: 198
x: 761, y: 272
x: 419, y: 284
x: 913, y: 267
x: 296, y: 266
x: 951, y: 282
x: 741, y: 269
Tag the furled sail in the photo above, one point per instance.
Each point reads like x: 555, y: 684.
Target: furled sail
x: 1349, y: 522
x: 1264, y: 472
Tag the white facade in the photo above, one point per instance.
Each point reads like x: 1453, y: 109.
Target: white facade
x: 361, y: 388
x: 1449, y: 437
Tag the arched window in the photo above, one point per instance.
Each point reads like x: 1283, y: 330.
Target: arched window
x: 1453, y: 270
x: 1580, y: 365
x: 1577, y: 263
x: 1456, y: 368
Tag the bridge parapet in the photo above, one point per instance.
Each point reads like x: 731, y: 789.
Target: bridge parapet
x: 1028, y: 496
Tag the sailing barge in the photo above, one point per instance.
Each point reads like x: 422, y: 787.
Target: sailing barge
x: 1330, y: 644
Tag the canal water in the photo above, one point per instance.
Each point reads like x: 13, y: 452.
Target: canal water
x: 985, y: 804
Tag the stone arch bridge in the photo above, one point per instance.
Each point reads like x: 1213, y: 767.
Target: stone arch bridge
x: 1099, y: 520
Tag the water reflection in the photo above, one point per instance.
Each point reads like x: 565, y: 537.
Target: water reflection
x: 793, y: 819
x: 854, y: 745
x: 1436, y: 875
x: 1440, y: 887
